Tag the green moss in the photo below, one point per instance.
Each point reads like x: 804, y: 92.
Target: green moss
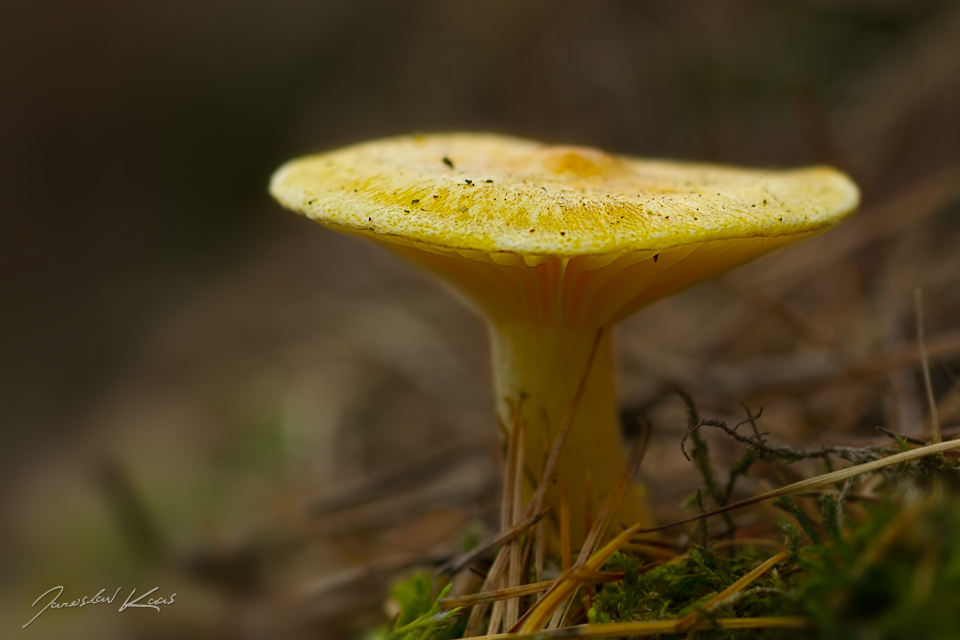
x: 420, y: 615
x: 677, y: 588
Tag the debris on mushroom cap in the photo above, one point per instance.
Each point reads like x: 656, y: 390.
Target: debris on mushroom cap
x: 494, y: 193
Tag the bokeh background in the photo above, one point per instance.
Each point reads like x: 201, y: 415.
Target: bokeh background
x: 204, y: 393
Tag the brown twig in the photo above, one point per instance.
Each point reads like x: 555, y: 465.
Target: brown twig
x: 502, y: 562
x: 565, y: 550
x: 454, y: 565
x: 657, y: 627
x: 523, y: 590
x: 568, y: 583
x: 818, y: 481
x: 514, y: 575
x: 925, y: 365
x: 536, y: 502
x: 612, y: 502
x: 686, y: 623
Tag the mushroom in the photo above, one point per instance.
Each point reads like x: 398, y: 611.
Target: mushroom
x: 554, y: 245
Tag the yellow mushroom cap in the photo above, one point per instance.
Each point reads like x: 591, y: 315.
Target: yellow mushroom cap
x: 491, y: 193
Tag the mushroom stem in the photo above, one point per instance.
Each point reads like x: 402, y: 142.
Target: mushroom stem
x: 545, y: 364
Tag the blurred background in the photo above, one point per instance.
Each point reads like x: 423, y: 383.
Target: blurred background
x: 206, y: 394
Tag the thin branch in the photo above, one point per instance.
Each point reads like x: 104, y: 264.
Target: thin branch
x: 610, y: 505
x: 764, y: 451
x: 523, y: 590
x: 456, y: 564
x: 817, y: 482
x: 921, y: 344
x: 613, y: 500
x: 599, y: 528
x: 740, y: 595
x: 538, y: 615
x: 348, y: 578
x: 687, y: 622
x: 515, y: 573
x: 536, y: 502
x: 617, y: 629
x: 565, y: 551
